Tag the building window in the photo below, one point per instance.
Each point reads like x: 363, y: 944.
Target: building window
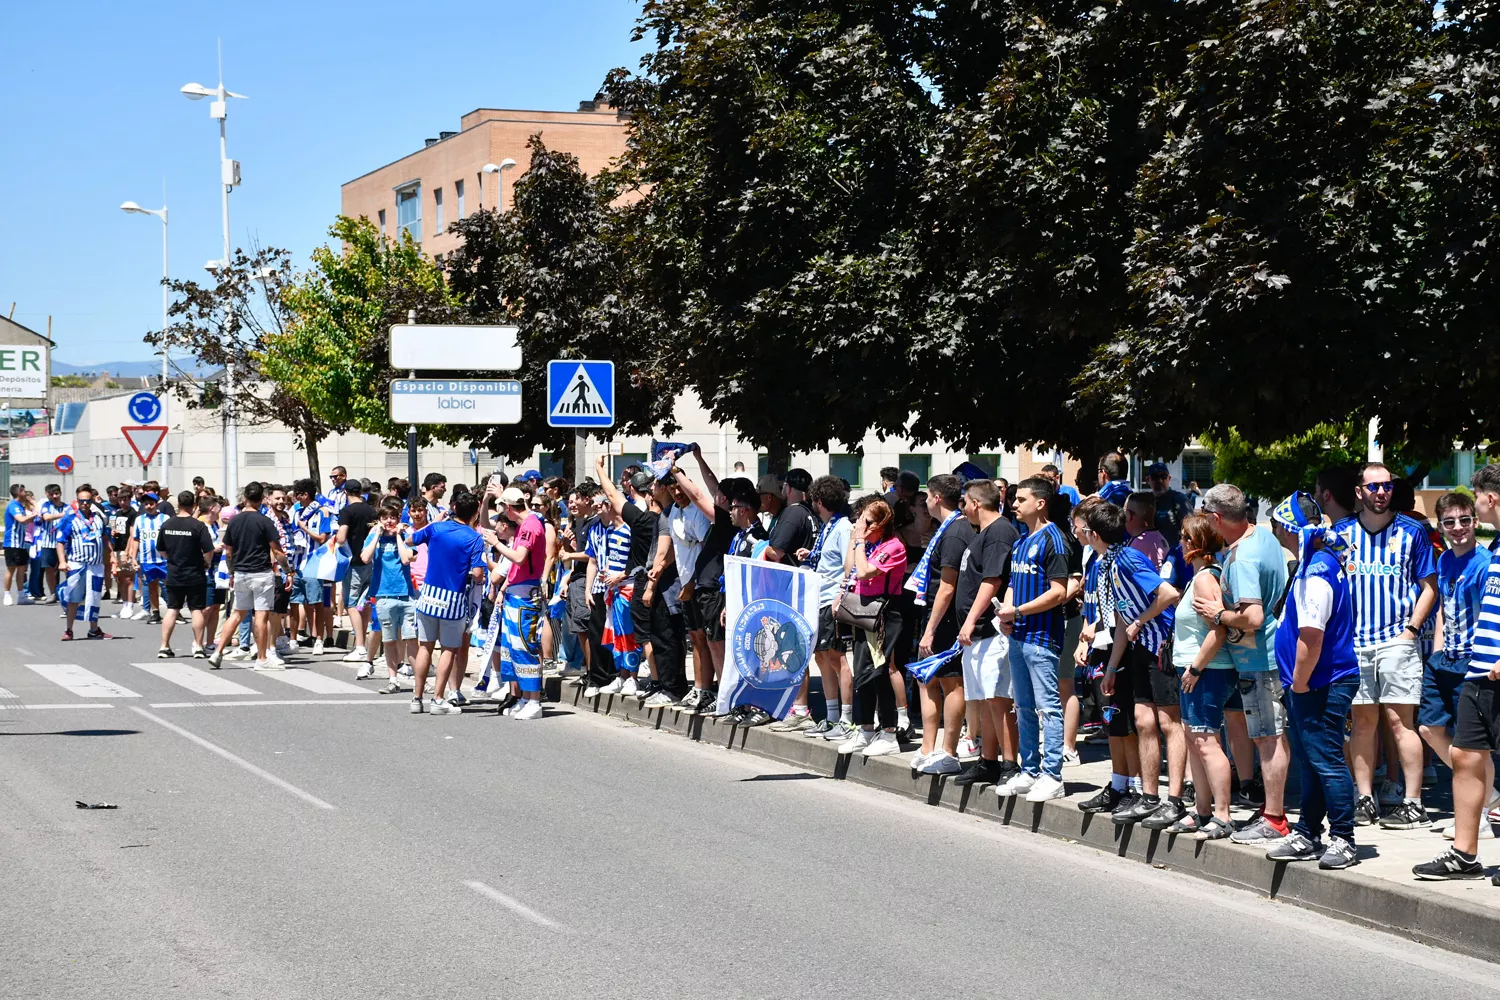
x: 849, y: 468
x: 1444, y: 475
x: 395, y: 460
x: 549, y: 464
x: 409, y: 211
x: 1197, y: 467
x: 260, y: 460
x: 920, y: 464
x: 617, y: 463
x: 988, y: 461
x: 382, y: 222
x: 762, y: 465
x: 458, y: 195
x: 437, y: 208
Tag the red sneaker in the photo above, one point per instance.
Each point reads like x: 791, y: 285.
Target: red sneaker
x: 68, y: 636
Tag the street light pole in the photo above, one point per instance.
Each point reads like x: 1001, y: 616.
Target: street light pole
x: 229, y: 178
x: 131, y: 206
x: 498, y: 170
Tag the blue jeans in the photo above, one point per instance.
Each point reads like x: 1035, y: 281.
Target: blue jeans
x: 45, y: 559
x: 1033, y: 671
x: 1317, y: 726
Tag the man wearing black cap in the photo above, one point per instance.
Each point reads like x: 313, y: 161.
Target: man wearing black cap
x: 1171, y: 505
x: 797, y: 526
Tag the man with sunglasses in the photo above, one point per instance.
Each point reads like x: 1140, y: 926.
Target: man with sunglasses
x: 1461, y: 573
x: 338, y: 494
x: 1394, y: 582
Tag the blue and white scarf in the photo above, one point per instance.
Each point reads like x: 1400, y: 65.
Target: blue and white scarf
x: 924, y: 668
x: 921, y: 577
x: 817, y: 549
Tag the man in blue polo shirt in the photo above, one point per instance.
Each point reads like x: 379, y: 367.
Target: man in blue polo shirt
x: 1032, y: 616
x: 1393, y: 577
x: 455, y: 561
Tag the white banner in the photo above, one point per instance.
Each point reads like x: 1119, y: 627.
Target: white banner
x: 23, y: 371
x: 771, y: 625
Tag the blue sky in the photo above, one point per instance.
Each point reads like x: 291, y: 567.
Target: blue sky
x: 91, y: 116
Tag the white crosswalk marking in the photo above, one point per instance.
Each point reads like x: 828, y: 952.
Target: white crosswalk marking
x: 7, y: 694
x: 194, y: 679
x: 316, y: 683
x: 84, y: 683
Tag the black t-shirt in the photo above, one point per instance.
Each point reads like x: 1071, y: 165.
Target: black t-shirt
x: 184, y: 541
x: 987, y: 557
x: 642, y: 524
x: 250, y: 535
x: 795, y: 529
x: 357, y: 517
x: 669, y: 570
x: 711, y: 557
x: 950, y: 555
x: 165, y: 507
x: 120, y: 523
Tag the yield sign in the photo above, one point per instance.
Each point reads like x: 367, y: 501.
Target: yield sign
x: 144, y: 441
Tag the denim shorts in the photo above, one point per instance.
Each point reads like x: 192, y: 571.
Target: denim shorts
x: 308, y: 591
x: 1440, y: 691
x: 398, y: 618
x: 1203, y: 706
x: 1265, y: 715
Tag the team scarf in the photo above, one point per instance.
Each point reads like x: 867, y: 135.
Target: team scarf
x: 817, y: 549
x: 921, y: 577
x: 924, y: 668
x: 1289, y: 515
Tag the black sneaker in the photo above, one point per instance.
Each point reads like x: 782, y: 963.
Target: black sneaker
x: 1366, y: 812
x: 1143, y: 806
x: 1107, y: 801
x: 1448, y: 865
x: 979, y: 771
x: 1254, y: 791
x: 1165, y: 815
x: 155, y: 618
x: 1408, y: 815
x: 1008, y: 769
x: 1189, y: 793
x: 756, y: 717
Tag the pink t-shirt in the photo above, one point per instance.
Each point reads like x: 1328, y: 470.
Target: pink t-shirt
x: 889, y: 557
x: 531, y: 535
x: 418, y: 565
x: 1153, y: 545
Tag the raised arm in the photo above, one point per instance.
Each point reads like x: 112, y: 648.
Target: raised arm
x: 616, y: 498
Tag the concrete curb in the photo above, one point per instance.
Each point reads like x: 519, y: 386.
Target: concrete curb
x: 1409, y: 912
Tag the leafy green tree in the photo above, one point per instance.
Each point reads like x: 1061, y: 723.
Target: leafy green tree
x: 229, y: 325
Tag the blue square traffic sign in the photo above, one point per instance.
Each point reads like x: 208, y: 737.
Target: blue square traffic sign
x: 581, y: 393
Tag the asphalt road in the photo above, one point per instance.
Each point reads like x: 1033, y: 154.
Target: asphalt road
x: 287, y: 843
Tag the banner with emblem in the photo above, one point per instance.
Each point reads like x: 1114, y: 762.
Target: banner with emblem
x: 771, y: 626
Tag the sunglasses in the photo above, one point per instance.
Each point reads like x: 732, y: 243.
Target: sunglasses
x: 1385, y: 487
x: 538, y: 506
x: 1457, y: 522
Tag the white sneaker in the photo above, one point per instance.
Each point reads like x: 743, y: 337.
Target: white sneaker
x: 659, y: 700
x: 365, y: 672
x: 883, y: 745
x: 236, y: 653
x: 9, y: 600
x: 630, y: 689
x: 616, y: 686
x: 440, y: 707
x: 530, y: 709
x: 857, y: 741
x: 920, y: 759
x: 24, y: 599
x: 416, y: 706
x: 271, y: 662
x: 317, y: 649
x: 1070, y: 758
x: 1019, y: 784
x: 1486, y: 831
x: 1046, y: 787
x: 199, y: 653
x: 968, y: 748
x: 357, y: 655
x: 404, y: 670
x: 592, y: 691
x: 141, y: 614
x: 126, y: 610
x: 940, y: 762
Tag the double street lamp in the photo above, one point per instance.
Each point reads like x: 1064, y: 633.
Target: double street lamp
x: 495, y: 168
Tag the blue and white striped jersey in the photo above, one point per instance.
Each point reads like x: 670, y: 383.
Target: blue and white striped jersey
x: 1461, y: 584
x: 453, y: 551
x: 15, y: 528
x: 610, y: 548
x: 1091, y: 587
x: 1135, y: 584
x: 146, y: 531
x: 1487, y: 630
x: 1035, y: 562
x: 312, y: 519
x: 46, y: 531
x: 1385, y: 570
x: 83, y: 538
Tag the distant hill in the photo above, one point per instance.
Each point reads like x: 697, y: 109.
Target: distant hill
x: 129, y: 369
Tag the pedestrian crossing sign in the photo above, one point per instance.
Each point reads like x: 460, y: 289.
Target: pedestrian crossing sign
x: 581, y: 393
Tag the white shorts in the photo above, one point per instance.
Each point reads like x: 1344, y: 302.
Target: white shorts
x: 447, y: 631
x: 987, y: 668
x: 1390, y: 673
x: 255, y: 591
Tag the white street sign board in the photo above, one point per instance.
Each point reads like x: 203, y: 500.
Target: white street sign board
x: 23, y: 371
x: 455, y: 348
x: 455, y: 401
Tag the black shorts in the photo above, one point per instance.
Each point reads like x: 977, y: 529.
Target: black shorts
x: 640, y: 612
x: 690, y: 617
x: 1477, y: 726
x: 118, y: 543
x: 283, y: 602
x: 832, y: 634
x: 1149, y: 683
x: 194, y: 597
x: 17, y: 556
x: 217, y: 596
x: 1121, y: 704
x: 710, y: 602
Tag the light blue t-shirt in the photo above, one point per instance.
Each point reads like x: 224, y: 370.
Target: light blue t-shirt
x: 1255, y: 570
x: 831, y: 560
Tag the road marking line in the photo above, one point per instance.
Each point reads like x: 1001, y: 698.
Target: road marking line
x: 316, y: 683
x: 286, y: 786
x: 263, y: 703
x: 70, y: 705
x: 4, y: 693
x: 84, y: 683
x: 516, y: 907
x: 24, y: 652
x: 195, y: 680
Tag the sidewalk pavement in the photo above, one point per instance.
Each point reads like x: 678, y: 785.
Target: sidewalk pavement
x: 1379, y: 892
